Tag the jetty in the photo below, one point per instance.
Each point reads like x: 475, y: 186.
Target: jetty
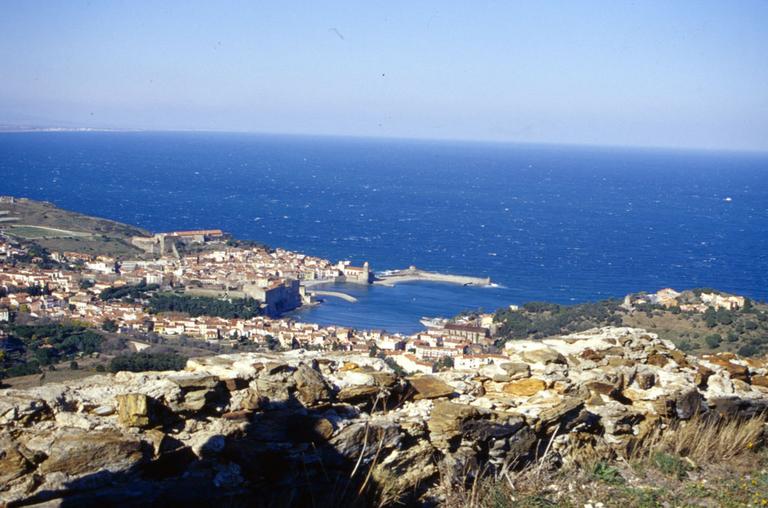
x: 413, y: 274
x: 335, y: 294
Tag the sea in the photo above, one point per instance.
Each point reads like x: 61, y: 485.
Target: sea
x: 564, y: 224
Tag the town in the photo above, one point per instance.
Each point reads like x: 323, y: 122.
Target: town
x: 73, y: 286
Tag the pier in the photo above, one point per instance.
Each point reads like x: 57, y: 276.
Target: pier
x: 413, y: 274
x: 336, y: 294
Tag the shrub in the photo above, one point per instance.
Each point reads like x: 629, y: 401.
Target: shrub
x: 607, y: 474
x: 671, y: 465
x: 748, y: 350
x: 713, y: 340
x: 109, y: 325
x: 140, y: 362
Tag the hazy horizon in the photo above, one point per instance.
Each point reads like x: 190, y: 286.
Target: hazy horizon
x: 688, y: 75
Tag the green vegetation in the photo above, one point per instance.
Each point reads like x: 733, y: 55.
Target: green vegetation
x: 128, y: 292
x: 540, y: 319
x: 109, y: 326
x: 713, y: 340
x: 30, y: 347
x: 607, y: 474
x: 39, y: 255
x: 244, y: 308
x: 744, y: 331
x: 444, y: 363
x: 140, y: 362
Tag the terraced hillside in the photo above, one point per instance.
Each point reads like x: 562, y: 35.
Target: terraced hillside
x: 56, y: 229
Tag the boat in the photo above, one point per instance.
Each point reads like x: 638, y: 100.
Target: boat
x: 433, y: 322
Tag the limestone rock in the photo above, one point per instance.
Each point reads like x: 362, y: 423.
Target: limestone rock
x: 75, y: 452
x: 357, y: 393
x: 310, y: 385
x: 735, y: 370
x: 19, y: 408
x: 447, y: 419
x: 516, y: 370
x: 525, y: 387
x: 133, y: 410
x: 406, y: 470
x: 430, y: 387
x: 13, y: 463
x: 543, y: 356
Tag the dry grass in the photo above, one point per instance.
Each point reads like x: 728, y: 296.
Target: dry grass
x: 703, y: 439
x: 699, y: 462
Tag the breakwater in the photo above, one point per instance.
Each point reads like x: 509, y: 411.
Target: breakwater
x: 336, y: 294
x: 413, y: 274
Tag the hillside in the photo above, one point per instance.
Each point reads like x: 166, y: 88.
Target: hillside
x: 55, y: 229
x: 743, y: 331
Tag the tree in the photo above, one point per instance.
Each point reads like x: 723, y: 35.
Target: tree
x: 710, y: 317
x: 272, y: 343
x: 724, y: 316
x: 444, y: 363
x: 109, y: 325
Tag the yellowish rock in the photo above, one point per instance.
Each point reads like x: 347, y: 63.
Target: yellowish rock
x: 525, y: 387
x: 133, y: 409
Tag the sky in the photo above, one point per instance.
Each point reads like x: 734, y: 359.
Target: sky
x: 644, y: 73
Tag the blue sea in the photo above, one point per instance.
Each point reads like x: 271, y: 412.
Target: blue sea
x: 558, y: 223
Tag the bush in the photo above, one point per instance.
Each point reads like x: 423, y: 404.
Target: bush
x: 607, y: 474
x: 130, y: 292
x: 109, y: 325
x: 724, y: 316
x: 538, y: 307
x: 140, y: 362
x: 671, y: 465
x: 243, y: 308
x: 748, y: 350
x: 713, y: 340
x: 710, y: 317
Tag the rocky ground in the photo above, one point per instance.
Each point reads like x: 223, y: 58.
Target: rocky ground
x: 335, y: 429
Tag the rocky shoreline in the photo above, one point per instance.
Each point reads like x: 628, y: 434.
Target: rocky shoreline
x: 302, y: 428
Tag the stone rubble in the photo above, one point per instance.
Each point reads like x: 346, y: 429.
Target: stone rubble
x: 252, y: 425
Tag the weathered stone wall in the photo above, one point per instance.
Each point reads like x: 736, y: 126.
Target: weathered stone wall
x: 304, y: 428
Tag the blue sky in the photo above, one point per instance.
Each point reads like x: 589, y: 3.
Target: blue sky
x: 682, y: 73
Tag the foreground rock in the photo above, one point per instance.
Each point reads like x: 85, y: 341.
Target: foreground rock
x: 305, y: 428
